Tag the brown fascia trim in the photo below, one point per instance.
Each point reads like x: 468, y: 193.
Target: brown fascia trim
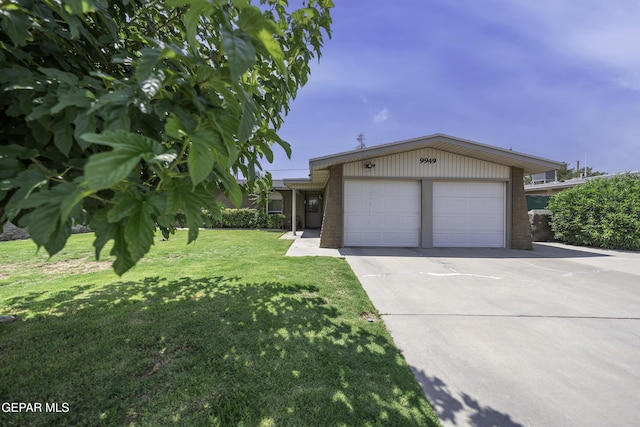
x: 425, y: 142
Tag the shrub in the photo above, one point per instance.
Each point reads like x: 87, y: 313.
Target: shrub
x: 238, y: 218
x: 261, y: 219
x: 246, y: 218
x: 233, y: 218
x: 601, y: 212
x: 275, y: 221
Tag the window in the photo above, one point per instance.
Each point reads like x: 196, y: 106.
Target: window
x: 275, y: 205
x: 313, y: 204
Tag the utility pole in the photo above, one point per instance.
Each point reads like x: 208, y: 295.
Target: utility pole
x: 360, y: 140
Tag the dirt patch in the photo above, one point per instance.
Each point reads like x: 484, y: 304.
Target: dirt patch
x: 73, y: 266
x: 369, y: 316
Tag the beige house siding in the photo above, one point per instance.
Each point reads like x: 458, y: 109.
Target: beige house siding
x: 409, y: 165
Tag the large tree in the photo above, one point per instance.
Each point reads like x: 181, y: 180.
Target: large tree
x: 133, y: 115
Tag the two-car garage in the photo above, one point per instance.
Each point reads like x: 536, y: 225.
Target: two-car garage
x: 394, y: 213
x: 433, y: 191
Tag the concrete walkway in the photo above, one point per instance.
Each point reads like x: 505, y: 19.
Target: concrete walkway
x: 307, y: 243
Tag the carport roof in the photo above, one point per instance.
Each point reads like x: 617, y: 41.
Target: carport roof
x: 530, y: 164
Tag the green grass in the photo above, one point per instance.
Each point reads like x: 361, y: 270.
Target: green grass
x: 227, y: 331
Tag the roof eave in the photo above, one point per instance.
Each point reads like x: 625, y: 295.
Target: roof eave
x: 530, y: 164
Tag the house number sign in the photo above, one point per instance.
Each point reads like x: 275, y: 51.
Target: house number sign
x: 427, y: 160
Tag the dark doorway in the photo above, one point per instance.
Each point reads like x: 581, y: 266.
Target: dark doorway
x: 313, y: 210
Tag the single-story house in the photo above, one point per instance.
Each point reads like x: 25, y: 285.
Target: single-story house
x: 539, y: 194
x: 433, y: 191
x: 552, y: 188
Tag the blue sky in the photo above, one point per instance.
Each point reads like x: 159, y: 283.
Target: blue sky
x: 558, y: 79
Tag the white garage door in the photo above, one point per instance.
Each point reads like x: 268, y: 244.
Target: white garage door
x: 381, y: 213
x: 468, y: 214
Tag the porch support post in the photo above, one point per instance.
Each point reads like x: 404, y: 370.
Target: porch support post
x: 293, y: 211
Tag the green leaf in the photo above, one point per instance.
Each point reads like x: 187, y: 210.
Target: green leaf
x: 79, y: 7
x: 63, y: 137
x: 139, y: 230
x: 148, y: 61
x: 103, y: 229
x: 58, y: 237
x: 49, y: 223
x: 120, y: 250
x: 240, y: 4
x: 182, y: 197
x: 75, y: 97
x: 158, y: 201
x: 16, y: 25
x: 273, y: 47
x: 9, y: 168
x: 84, y: 123
x: 201, y: 155
x: 251, y: 20
x: 175, y: 128
x: 60, y: 76
x: 271, y: 135
x: 72, y: 199
x: 106, y: 169
x: 240, y: 51
x: 191, y: 22
x: 248, y: 120
x: 233, y: 190
x: 26, y: 182
x: 41, y: 223
x: 267, y: 152
x: 125, y: 205
x: 262, y: 29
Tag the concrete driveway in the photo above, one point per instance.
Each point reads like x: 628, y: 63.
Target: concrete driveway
x: 500, y: 337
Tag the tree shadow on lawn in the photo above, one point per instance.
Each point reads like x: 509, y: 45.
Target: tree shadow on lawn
x: 203, y: 351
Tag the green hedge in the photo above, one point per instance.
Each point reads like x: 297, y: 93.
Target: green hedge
x: 275, y: 221
x: 602, y: 212
x: 247, y: 218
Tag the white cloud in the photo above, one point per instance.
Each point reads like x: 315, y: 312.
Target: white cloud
x: 604, y: 34
x: 382, y: 116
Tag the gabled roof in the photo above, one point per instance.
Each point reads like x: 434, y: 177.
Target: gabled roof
x: 530, y: 164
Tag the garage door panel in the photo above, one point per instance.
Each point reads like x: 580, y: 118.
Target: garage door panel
x: 382, y: 213
x: 468, y: 240
x: 468, y: 214
x: 397, y: 239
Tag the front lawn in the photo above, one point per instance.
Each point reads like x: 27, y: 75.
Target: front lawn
x: 227, y: 331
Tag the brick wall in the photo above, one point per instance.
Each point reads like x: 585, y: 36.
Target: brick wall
x: 333, y: 220
x: 520, y: 227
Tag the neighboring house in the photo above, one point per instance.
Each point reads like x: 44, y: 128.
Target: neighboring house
x: 553, y: 187
x: 280, y: 202
x: 433, y: 191
x: 538, y: 195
